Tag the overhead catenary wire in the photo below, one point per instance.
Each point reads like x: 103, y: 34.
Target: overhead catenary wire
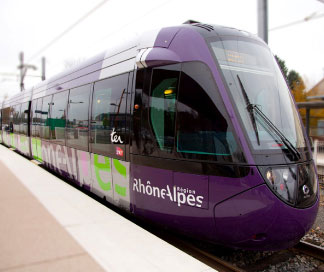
x: 57, y: 38
x: 103, y: 2
x: 312, y: 16
x: 136, y: 19
x: 306, y: 19
x: 16, y: 75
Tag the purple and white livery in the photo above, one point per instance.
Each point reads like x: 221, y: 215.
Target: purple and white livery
x: 191, y: 127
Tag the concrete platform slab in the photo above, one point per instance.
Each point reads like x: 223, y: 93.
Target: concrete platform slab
x: 30, y: 237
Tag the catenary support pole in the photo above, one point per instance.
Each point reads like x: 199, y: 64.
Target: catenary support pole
x: 43, y: 68
x: 21, y: 67
x: 263, y: 19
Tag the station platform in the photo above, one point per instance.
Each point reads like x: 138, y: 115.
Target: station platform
x: 47, y: 225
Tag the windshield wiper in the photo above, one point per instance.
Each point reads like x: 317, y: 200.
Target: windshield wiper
x: 250, y: 110
x: 293, y: 150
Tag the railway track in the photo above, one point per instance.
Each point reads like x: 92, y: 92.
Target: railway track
x: 206, y: 257
x: 283, y: 256
x: 310, y: 250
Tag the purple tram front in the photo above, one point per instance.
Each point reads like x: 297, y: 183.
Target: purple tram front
x: 218, y: 149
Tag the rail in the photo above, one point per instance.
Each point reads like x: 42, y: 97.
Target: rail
x: 282, y: 256
x: 310, y: 250
x: 204, y: 256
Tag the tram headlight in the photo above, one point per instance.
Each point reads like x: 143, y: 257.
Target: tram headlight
x: 295, y: 184
x: 283, y: 181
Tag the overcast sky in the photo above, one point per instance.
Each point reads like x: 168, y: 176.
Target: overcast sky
x: 31, y: 25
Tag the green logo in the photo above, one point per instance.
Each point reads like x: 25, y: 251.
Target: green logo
x: 106, y: 186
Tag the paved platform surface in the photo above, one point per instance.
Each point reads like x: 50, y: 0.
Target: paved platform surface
x: 30, y: 237
x: 47, y: 225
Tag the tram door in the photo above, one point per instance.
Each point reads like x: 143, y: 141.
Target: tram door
x: 153, y: 142
x: 143, y: 78
x: 154, y: 113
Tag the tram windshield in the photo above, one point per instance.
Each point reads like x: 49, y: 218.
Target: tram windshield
x: 256, y: 84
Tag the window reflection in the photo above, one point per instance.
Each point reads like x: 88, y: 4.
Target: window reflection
x: 77, y: 121
x: 15, y: 117
x: 187, y: 118
x: 202, y: 130
x: 24, y: 118
x: 162, y: 107
x: 36, y: 116
x: 44, y: 117
x: 108, y: 118
x: 5, y: 119
x: 58, y: 117
x: 254, y: 65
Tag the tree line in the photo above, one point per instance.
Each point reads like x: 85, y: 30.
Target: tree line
x: 294, y: 80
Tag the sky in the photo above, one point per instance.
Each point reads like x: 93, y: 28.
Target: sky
x: 29, y: 26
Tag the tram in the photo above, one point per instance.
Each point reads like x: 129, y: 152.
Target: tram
x: 191, y: 127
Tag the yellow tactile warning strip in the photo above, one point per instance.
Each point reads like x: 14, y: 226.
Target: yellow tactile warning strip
x: 30, y: 238
x: 35, y: 162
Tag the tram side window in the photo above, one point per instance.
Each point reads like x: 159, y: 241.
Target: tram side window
x: 202, y: 130
x: 78, y: 119
x: 44, y: 117
x: 5, y: 119
x: 108, y: 117
x: 16, y: 118
x: 36, y: 114
x: 24, y: 112
x: 58, y: 117
x: 11, y: 119
x: 162, y: 113
x: 33, y: 117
